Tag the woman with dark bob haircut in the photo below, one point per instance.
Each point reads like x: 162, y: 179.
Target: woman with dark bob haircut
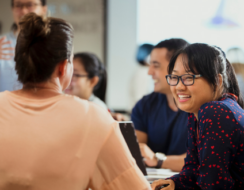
x: 203, y: 84
x: 89, y: 79
x: 52, y: 141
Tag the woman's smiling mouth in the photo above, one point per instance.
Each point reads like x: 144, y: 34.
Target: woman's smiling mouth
x: 183, y: 97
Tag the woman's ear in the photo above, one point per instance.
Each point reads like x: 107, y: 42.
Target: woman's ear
x: 62, y: 67
x: 94, y: 81
x: 220, y: 78
x: 220, y: 86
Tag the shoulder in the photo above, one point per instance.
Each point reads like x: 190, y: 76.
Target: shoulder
x: 3, y: 96
x: 88, y: 113
x: 213, y: 107
x: 79, y: 103
x: 98, y: 101
x: 224, y: 112
x: 212, y: 110
x: 152, y: 97
x: 86, y: 108
x: 149, y: 101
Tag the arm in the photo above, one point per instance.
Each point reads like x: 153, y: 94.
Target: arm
x: 141, y: 136
x: 173, y: 162
x: 187, y: 178
x: 115, y: 167
x: 117, y: 116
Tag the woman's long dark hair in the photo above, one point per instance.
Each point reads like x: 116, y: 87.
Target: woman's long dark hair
x: 209, y: 61
x: 94, y: 67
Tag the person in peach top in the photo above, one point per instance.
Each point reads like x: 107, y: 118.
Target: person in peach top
x: 53, y: 141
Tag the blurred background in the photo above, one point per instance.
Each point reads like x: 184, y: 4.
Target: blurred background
x: 114, y: 29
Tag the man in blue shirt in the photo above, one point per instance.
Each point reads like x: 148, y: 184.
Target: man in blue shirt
x: 8, y: 76
x: 161, y: 128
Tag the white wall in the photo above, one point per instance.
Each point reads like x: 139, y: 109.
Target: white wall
x: 86, y: 16
x: 6, y: 18
x: 121, y: 50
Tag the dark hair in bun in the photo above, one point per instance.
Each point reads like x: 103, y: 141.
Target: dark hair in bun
x: 41, y: 45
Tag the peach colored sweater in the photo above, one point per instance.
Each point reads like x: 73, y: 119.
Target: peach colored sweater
x: 62, y: 143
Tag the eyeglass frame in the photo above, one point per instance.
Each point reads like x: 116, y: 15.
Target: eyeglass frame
x: 79, y: 76
x: 22, y: 5
x: 180, y: 78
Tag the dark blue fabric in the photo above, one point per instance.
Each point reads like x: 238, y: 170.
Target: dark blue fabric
x: 166, y: 129
x: 215, y: 157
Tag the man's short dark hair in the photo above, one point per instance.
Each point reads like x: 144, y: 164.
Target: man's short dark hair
x: 44, y: 2
x: 172, y: 45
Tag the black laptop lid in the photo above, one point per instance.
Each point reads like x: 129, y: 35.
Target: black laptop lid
x: 127, y: 130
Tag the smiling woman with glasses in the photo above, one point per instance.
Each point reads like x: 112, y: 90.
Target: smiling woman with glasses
x: 203, y: 84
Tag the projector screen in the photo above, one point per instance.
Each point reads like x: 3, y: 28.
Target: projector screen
x: 215, y: 22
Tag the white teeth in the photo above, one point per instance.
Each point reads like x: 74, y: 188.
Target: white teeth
x: 183, y: 96
x: 155, y: 80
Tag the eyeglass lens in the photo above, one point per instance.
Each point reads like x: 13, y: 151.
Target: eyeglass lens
x: 186, y: 79
x: 29, y: 5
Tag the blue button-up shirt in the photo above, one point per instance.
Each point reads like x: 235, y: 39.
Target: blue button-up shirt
x: 8, y: 76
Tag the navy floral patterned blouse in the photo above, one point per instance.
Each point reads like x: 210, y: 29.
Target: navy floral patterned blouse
x: 215, y: 154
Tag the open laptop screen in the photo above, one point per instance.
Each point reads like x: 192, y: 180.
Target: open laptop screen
x: 127, y: 130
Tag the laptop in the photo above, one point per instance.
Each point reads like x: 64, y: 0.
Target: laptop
x: 151, y: 174
x: 127, y: 130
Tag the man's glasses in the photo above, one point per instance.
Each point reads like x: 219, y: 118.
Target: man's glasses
x: 186, y: 79
x: 30, y: 6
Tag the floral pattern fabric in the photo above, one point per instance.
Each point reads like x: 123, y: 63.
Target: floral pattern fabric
x: 215, y: 153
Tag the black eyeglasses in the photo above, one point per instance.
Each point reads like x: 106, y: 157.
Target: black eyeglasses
x: 79, y: 76
x: 186, y: 79
x: 30, y: 6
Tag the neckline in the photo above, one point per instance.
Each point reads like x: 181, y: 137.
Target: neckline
x: 33, y: 99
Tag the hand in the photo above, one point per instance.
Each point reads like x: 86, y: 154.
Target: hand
x: 118, y: 116
x: 5, y: 56
x: 148, y: 155
x: 163, y: 182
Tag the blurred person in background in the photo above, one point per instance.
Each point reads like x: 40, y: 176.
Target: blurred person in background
x: 53, y: 141
x: 161, y: 128
x: 89, y: 79
x: 141, y: 84
x: 236, y: 58
x: 8, y: 76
